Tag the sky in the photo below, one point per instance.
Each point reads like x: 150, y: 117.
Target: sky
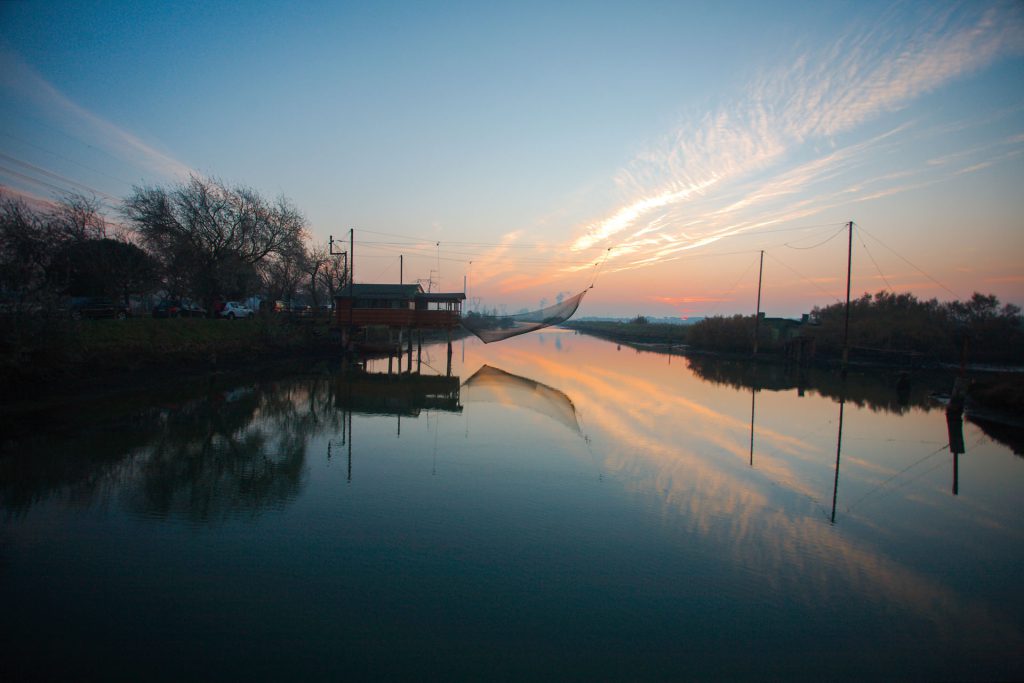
x: 526, y: 151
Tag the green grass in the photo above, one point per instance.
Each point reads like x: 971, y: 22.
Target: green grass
x: 172, y: 336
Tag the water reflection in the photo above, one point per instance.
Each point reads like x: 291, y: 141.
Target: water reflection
x: 403, y: 394
x: 229, y: 451
x: 692, y: 513
x: 891, y: 391
x: 493, y: 385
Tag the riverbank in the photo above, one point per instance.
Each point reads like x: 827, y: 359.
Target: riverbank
x: 997, y: 390
x: 63, y: 357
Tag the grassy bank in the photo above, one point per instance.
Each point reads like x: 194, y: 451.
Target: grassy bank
x: 38, y: 355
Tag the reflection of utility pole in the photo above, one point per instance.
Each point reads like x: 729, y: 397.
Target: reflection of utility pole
x: 955, y: 427
x: 753, y: 394
x: 839, y: 446
x: 346, y: 419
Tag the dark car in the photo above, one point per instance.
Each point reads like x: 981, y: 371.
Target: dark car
x: 178, y: 308
x: 96, y: 307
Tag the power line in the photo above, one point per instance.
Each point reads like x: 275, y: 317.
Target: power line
x: 69, y: 160
x: 815, y: 246
x: 804, y: 277
x: 732, y: 289
x: 880, y: 273
x: 908, y: 262
x: 55, y: 176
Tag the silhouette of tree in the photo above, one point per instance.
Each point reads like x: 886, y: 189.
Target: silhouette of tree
x: 209, y: 236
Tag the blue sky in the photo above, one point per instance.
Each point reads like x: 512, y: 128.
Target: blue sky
x: 529, y: 138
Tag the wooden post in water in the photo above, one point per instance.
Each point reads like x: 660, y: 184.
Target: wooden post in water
x: 449, y: 373
x: 398, y: 349
x: 757, y: 314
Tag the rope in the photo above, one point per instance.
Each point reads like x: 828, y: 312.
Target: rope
x: 598, y: 266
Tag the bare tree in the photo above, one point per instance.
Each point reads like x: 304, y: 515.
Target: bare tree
x: 318, y: 257
x: 209, y: 236
x: 333, y: 275
x: 283, y: 272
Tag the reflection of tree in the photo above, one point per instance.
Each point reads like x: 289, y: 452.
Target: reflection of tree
x: 223, y: 453
x: 881, y: 390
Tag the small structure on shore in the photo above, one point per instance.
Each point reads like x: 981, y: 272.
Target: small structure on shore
x: 399, y: 310
x: 398, y: 307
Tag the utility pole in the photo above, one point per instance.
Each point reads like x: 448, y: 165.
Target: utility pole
x: 846, y: 327
x: 351, y: 276
x: 757, y: 315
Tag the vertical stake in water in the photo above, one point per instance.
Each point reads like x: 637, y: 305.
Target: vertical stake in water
x: 846, y: 327
x: 757, y: 314
x: 401, y: 269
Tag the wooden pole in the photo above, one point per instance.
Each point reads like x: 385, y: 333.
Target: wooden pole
x: 351, y: 278
x: 846, y: 326
x: 757, y: 315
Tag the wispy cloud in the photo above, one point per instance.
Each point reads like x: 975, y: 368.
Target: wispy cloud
x: 777, y: 154
x: 21, y: 81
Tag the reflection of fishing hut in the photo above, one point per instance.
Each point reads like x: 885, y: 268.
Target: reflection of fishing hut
x: 397, y: 312
x: 403, y: 395
x: 394, y: 395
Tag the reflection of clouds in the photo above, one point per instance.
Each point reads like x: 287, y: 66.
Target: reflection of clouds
x: 671, y: 439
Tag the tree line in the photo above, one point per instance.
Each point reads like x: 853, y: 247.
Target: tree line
x: 201, y: 239
x: 885, y: 322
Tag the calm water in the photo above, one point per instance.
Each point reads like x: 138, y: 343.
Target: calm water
x: 558, y: 509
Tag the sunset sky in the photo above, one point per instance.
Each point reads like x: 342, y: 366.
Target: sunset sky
x: 514, y: 144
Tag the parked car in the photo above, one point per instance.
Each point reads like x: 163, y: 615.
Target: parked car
x: 178, y: 308
x: 96, y: 307
x: 234, y: 309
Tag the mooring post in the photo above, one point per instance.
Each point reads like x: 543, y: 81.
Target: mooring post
x: 449, y: 352
x: 419, y: 352
x: 398, y: 349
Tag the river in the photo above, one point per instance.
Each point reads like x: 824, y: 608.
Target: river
x: 558, y: 508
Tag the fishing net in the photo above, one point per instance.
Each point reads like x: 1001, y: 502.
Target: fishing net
x: 492, y: 328
x: 492, y: 385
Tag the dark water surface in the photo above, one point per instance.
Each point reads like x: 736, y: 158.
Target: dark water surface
x: 558, y: 509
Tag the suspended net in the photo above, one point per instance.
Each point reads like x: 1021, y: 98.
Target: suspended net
x: 492, y: 328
